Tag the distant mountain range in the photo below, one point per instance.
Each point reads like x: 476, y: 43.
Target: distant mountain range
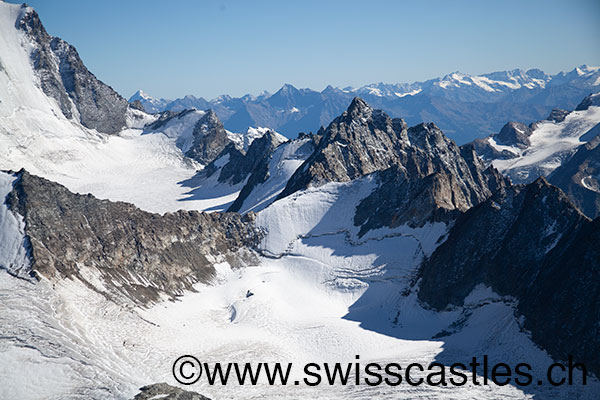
x: 465, y: 107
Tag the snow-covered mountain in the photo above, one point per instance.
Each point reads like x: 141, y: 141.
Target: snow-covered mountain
x: 526, y: 152
x: 579, y: 177
x: 370, y: 237
x: 464, y: 106
x: 58, y: 121
x: 149, y: 103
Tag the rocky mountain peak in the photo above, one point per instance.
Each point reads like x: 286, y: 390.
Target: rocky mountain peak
x: 358, y: 142
x: 210, y: 138
x: 64, y: 77
x: 209, y: 121
x: 358, y: 108
x: 557, y: 115
x: 421, y: 174
x: 30, y: 23
x: 514, y: 134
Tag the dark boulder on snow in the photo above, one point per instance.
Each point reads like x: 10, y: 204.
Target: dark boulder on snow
x: 165, y: 391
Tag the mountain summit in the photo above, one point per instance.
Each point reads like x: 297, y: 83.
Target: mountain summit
x: 64, y: 77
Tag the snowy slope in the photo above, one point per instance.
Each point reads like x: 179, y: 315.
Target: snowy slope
x: 286, y: 159
x: 143, y: 167
x: 325, y: 298
x: 179, y: 128
x: 320, y: 293
x: 13, y: 253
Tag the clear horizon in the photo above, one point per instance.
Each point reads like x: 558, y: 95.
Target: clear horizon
x: 208, y: 49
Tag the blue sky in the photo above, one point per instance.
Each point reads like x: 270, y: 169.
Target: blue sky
x: 208, y: 48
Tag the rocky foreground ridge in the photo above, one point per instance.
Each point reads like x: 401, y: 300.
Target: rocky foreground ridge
x: 121, y: 251
x: 532, y: 244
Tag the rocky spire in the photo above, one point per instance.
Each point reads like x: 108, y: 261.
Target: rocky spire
x: 358, y: 142
x: 419, y: 170
x: 210, y: 139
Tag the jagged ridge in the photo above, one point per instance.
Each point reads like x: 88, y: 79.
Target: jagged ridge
x: 134, y: 254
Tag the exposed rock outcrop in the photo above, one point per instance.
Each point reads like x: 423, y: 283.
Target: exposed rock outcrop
x: 120, y: 250
x: 64, y: 77
x: 137, y: 105
x: 483, y: 148
x: 257, y: 160
x: 270, y: 177
x: 234, y: 166
x: 592, y: 100
x: 530, y: 243
x: 580, y: 178
x: 557, y: 115
x: 165, y: 391
x: 514, y: 134
x: 359, y: 142
x: 210, y: 139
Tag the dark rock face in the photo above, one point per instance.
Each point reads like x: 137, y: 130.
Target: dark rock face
x: 531, y: 243
x: 137, y: 255
x: 65, y: 78
x: 210, y: 139
x: 580, y: 178
x: 167, y: 392
x: 240, y: 165
x: 358, y: 142
x: 166, y: 116
x: 260, y: 157
x: 137, y: 105
x: 514, y: 134
x: 228, y: 172
x: 420, y: 171
x: 558, y: 115
x: 450, y: 183
x: 483, y: 148
x: 592, y: 100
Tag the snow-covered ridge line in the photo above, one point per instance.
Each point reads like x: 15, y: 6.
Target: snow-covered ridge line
x: 498, y: 81
x: 544, y: 146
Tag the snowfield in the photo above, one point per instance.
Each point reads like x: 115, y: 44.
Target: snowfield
x: 551, y: 144
x: 146, y: 168
x: 321, y: 295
